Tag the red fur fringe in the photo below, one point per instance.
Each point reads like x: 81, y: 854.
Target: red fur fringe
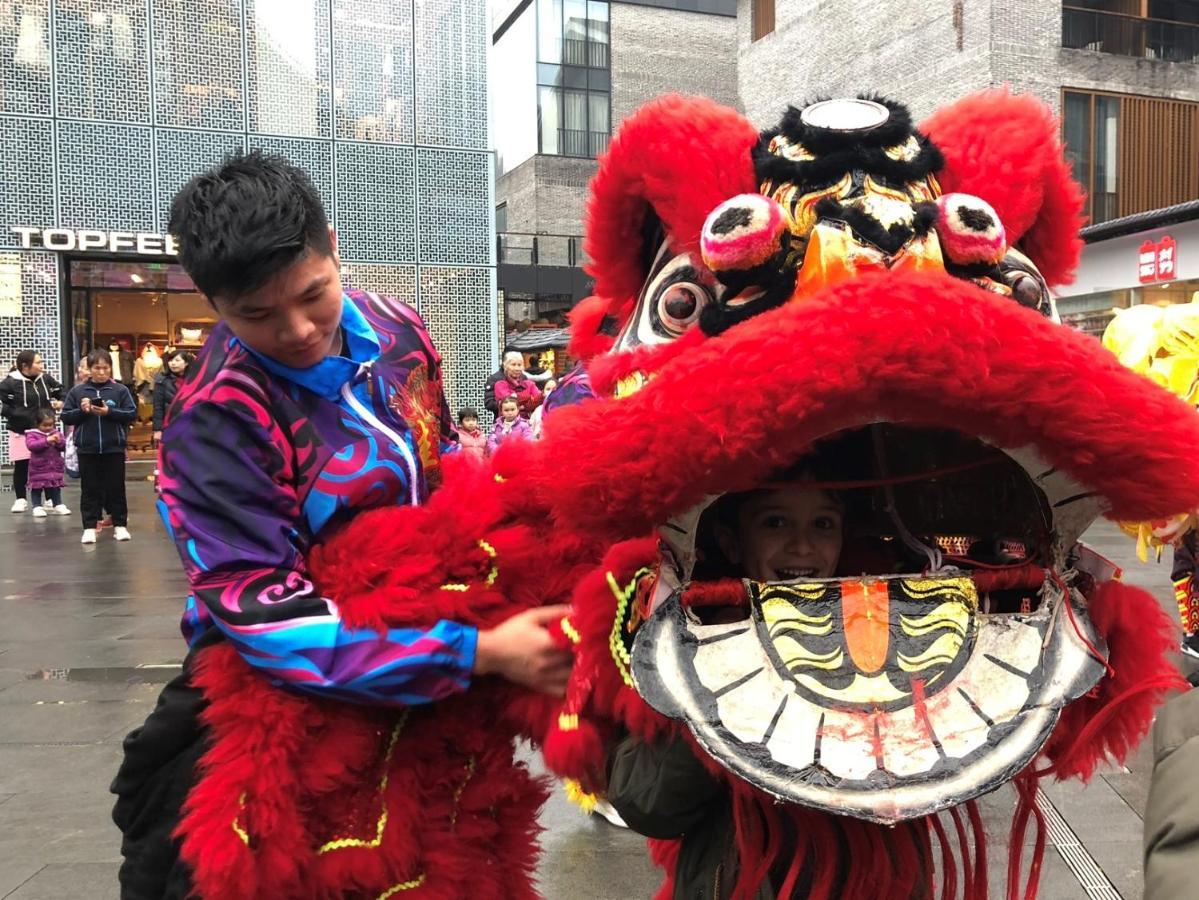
x: 1007, y: 150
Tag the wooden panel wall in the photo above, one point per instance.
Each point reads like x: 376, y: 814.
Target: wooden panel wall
x: 1158, y: 153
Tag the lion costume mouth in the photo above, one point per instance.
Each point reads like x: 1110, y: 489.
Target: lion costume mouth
x: 960, y: 683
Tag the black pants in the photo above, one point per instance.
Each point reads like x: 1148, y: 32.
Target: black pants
x: 155, y: 777
x: 102, y: 480
x: 20, y: 477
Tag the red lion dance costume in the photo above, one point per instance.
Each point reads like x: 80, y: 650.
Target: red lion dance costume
x: 844, y: 275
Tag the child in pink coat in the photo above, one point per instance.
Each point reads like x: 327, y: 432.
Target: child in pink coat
x: 471, y: 437
x: 46, y: 464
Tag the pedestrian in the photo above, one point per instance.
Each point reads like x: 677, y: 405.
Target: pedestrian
x: 539, y: 412
x: 166, y: 386
x: 508, y: 425
x: 470, y: 436
x: 102, y: 411
x: 1171, y: 839
x: 47, y: 466
x: 516, y: 384
x: 490, y: 403
x: 23, y: 393
x: 253, y: 449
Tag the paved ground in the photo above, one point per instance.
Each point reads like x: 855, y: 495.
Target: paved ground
x: 88, y: 633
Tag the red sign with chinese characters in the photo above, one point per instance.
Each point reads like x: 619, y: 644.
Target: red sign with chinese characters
x: 1157, y: 260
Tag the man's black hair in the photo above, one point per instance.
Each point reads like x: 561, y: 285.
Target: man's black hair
x: 244, y: 221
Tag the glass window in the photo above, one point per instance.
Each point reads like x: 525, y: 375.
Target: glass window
x: 597, y: 34
x: 1104, y: 187
x: 575, y: 32
x: 373, y: 80
x: 549, y: 119
x: 1076, y: 116
x: 574, y: 123
x: 549, y: 31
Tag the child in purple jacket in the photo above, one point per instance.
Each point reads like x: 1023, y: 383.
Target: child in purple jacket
x: 509, y: 425
x: 46, y: 465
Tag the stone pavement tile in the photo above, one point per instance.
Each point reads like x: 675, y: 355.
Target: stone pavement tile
x: 1057, y: 881
x: 52, y: 722
x: 1132, y: 786
x: 1095, y: 812
x: 59, y: 690
x: 57, y: 770
x: 95, y: 881
x: 56, y: 654
x: 60, y: 828
x: 1123, y: 864
x: 14, y: 873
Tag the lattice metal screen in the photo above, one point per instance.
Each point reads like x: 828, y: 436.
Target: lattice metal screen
x: 108, y: 106
x: 33, y: 278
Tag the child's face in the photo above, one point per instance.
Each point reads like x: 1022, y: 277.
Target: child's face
x: 46, y: 426
x: 786, y: 533
x: 510, y: 412
x: 470, y: 423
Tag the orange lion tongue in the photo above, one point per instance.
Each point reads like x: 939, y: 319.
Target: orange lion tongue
x: 865, y: 607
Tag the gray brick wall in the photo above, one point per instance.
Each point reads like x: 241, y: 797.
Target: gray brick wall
x: 545, y: 194
x: 656, y: 51
x: 844, y: 47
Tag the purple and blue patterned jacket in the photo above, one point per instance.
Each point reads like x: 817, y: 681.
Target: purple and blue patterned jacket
x: 259, y: 460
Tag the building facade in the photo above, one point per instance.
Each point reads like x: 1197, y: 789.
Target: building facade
x: 1124, y: 74
x: 108, y: 106
x: 566, y: 73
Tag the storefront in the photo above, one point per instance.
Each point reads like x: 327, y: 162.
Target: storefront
x: 1150, y: 257
x: 108, y: 109
x: 120, y: 292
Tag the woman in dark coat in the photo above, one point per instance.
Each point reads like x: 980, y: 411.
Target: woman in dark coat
x: 25, y: 391
x: 166, y: 385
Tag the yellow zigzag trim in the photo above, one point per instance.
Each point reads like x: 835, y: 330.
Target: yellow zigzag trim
x: 491, y: 576
x: 381, y: 825
x: 569, y: 630
x: 470, y: 773
x: 568, y: 721
x: 403, y: 886
x: 241, y: 832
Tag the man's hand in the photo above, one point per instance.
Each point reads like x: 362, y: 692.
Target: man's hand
x: 56, y: 404
x: 522, y: 651
x: 100, y: 409
x: 157, y: 437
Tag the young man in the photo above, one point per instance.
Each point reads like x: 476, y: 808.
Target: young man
x: 297, y: 378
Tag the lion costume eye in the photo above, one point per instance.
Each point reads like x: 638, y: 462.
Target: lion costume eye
x: 679, y: 305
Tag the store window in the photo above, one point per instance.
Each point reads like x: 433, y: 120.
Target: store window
x: 1131, y: 153
x: 573, y: 77
x: 139, y: 312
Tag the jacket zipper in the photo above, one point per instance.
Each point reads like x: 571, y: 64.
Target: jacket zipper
x: 716, y: 886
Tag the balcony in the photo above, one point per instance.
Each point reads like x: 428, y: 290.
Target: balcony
x: 1125, y: 35
x: 585, y: 53
x: 574, y: 142
x: 538, y: 265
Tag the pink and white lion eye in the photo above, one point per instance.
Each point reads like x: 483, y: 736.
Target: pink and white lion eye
x: 970, y: 230
x: 742, y: 233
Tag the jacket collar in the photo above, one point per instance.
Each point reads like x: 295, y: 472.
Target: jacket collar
x: 326, y: 378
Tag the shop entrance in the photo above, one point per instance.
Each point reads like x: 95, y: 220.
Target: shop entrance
x: 139, y: 311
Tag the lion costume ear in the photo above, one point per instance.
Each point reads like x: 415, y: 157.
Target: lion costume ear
x: 1007, y: 150
x: 669, y: 164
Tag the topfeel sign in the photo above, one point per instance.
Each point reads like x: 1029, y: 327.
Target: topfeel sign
x: 70, y: 239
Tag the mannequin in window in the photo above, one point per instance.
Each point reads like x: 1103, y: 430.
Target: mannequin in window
x: 145, y: 370
x: 122, y: 361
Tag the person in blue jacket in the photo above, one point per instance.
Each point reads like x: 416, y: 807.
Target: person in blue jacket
x: 101, y: 411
